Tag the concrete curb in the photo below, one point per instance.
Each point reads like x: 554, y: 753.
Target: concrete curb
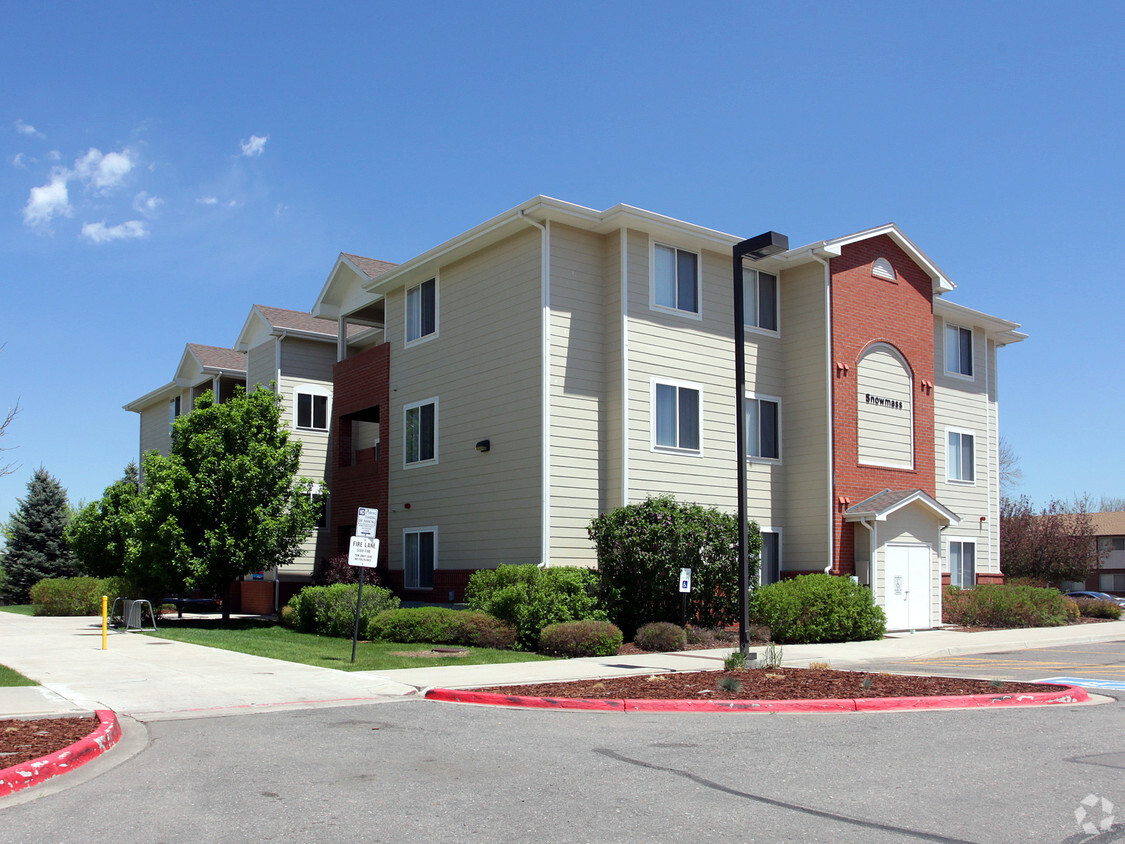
x: 1071, y: 694
x: 27, y: 774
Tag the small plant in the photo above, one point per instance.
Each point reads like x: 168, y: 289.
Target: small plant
x: 730, y: 684
x: 660, y: 636
x: 708, y: 636
x: 581, y: 638
x: 1097, y: 608
x: 771, y: 656
x: 820, y: 666
x: 735, y: 660
x: 866, y: 684
x: 996, y: 684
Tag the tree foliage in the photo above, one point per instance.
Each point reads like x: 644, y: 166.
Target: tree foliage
x: 99, y: 533
x: 36, y: 539
x: 1052, y: 546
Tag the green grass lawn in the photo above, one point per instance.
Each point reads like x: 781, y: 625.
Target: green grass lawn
x: 8, y: 677
x: 264, y: 638
x: 19, y: 609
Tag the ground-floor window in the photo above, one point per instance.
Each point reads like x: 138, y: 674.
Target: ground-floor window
x: 419, y: 556
x: 962, y: 563
x: 770, y: 570
x: 1112, y: 582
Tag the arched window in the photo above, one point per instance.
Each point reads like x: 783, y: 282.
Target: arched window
x: 883, y: 269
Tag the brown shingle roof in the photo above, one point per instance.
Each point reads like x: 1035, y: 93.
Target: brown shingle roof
x: 215, y: 357
x: 370, y: 266
x: 297, y: 320
x: 1108, y: 524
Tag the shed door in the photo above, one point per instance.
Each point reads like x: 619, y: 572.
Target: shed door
x: 907, y: 587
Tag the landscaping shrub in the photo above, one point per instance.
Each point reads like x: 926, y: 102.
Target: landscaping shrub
x: 660, y: 636
x: 705, y: 637
x: 337, y: 570
x: 817, y: 608
x: 530, y: 597
x: 642, y: 547
x: 581, y: 638
x: 1073, y: 611
x: 995, y: 605
x: 330, y: 610
x: 78, y: 595
x: 1098, y: 607
x: 442, y: 626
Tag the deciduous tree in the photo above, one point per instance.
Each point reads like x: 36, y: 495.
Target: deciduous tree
x: 1052, y: 546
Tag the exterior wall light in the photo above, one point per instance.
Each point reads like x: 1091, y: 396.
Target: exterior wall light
x: 484, y: 445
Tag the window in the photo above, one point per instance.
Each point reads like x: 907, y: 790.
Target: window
x: 959, y: 459
x: 676, y: 410
x: 959, y: 350
x: 173, y: 412
x: 676, y: 279
x: 1112, y: 582
x: 763, y: 434
x: 312, y: 411
x: 419, y: 554
x: 759, y: 304
x: 320, y: 500
x: 963, y: 564
x: 420, y: 432
x: 421, y: 310
x: 770, y: 569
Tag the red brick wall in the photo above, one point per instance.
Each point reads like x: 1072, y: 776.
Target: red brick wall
x: 868, y: 310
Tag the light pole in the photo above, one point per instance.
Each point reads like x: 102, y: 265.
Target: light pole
x: 768, y: 243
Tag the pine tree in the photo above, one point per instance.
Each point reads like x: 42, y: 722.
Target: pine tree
x: 35, y: 534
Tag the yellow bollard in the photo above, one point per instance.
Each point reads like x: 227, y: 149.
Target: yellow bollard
x: 103, y: 621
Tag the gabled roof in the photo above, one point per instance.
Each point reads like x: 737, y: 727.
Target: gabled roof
x: 1000, y: 331
x: 198, y: 364
x: 1108, y: 524
x: 882, y: 504
x: 214, y: 357
x: 370, y: 267
x: 278, y: 321
x: 343, y: 291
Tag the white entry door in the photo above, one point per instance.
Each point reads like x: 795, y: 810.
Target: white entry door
x: 908, y: 584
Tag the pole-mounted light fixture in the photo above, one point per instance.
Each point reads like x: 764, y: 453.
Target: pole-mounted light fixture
x: 755, y: 248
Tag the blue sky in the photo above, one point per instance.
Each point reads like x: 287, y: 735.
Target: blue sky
x: 164, y: 167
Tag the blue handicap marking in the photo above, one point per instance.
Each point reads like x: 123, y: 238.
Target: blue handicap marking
x: 1114, y: 685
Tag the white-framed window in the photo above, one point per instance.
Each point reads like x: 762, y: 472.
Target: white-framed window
x: 311, y: 407
x: 419, y: 557
x: 763, y: 427
x: 173, y: 412
x: 759, y: 300
x: 675, y: 415
x: 421, y: 311
x: 1112, y: 582
x: 959, y: 350
x: 960, y: 456
x: 675, y: 279
x: 420, y: 442
x: 962, y: 563
x: 769, y: 571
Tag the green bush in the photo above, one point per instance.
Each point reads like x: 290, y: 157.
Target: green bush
x: 330, y: 610
x: 816, y: 608
x: 442, y: 626
x: 78, y: 595
x: 1098, y: 608
x: 642, y: 547
x: 1073, y: 611
x: 660, y: 636
x: 996, y: 605
x: 530, y: 597
x: 581, y: 638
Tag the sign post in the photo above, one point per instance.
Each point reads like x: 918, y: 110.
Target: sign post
x: 363, y: 552
x: 685, y: 588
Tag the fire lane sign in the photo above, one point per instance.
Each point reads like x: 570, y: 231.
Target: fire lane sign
x: 363, y: 552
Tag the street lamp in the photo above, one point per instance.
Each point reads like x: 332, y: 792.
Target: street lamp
x: 769, y: 243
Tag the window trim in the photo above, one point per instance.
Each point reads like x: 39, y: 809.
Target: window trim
x: 962, y: 432
x: 949, y: 559
x: 762, y: 530
x: 971, y: 375
x: 757, y: 329
x: 653, y: 304
x: 314, y: 391
x: 175, y: 405
x: 760, y: 397
x: 432, y: 529
x: 407, y: 342
x: 406, y: 408
x: 655, y: 382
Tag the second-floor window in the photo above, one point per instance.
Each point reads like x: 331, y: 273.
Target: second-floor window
x: 763, y: 431
x: 675, y: 283
x: 959, y: 350
x: 312, y: 411
x: 759, y: 308
x: 420, y: 432
x: 676, y: 411
x: 421, y: 310
x: 960, y: 457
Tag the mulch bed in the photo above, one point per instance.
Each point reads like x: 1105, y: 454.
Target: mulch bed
x: 22, y: 741
x: 768, y: 684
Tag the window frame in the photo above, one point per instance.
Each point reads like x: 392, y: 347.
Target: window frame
x: 423, y: 336
x: 407, y: 463
x: 771, y: 531
x: 676, y: 309
x: 313, y: 392
x: 175, y: 405
x: 756, y: 435
x: 961, y: 433
x: 418, y: 531
x: 656, y: 446
x: 958, y: 373
x: 957, y: 576
x: 749, y: 326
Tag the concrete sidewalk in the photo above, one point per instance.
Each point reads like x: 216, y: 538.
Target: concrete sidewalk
x: 156, y: 679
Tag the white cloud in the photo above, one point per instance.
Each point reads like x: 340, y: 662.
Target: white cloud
x: 147, y: 205
x: 255, y: 146
x: 17, y: 161
x: 28, y: 129
x: 101, y: 233
x: 51, y: 200
x: 55, y: 155
x: 208, y: 200
x: 103, y: 172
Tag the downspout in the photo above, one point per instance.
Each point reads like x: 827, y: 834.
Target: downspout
x: 545, y: 375
x: 872, y: 526
x: 624, y: 367
x: 822, y: 254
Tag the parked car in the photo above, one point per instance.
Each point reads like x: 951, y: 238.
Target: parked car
x: 1099, y: 596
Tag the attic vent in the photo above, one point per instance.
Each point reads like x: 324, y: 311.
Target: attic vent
x: 883, y: 269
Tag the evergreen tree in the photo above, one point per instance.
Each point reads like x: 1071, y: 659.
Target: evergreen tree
x: 36, y: 540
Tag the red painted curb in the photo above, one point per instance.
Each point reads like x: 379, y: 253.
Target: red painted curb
x: 1072, y: 694
x: 27, y: 774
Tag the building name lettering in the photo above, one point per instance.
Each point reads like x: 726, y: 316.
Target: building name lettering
x: 879, y: 401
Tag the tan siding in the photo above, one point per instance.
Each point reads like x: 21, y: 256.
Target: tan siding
x: 154, y: 428
x: 885, y: 431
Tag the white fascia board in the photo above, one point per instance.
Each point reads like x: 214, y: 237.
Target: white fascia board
x: 1000, y: 331
x: 246, y: 335
x: 918, y: 497
x: 332, y: 295
x: 168, y: 390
